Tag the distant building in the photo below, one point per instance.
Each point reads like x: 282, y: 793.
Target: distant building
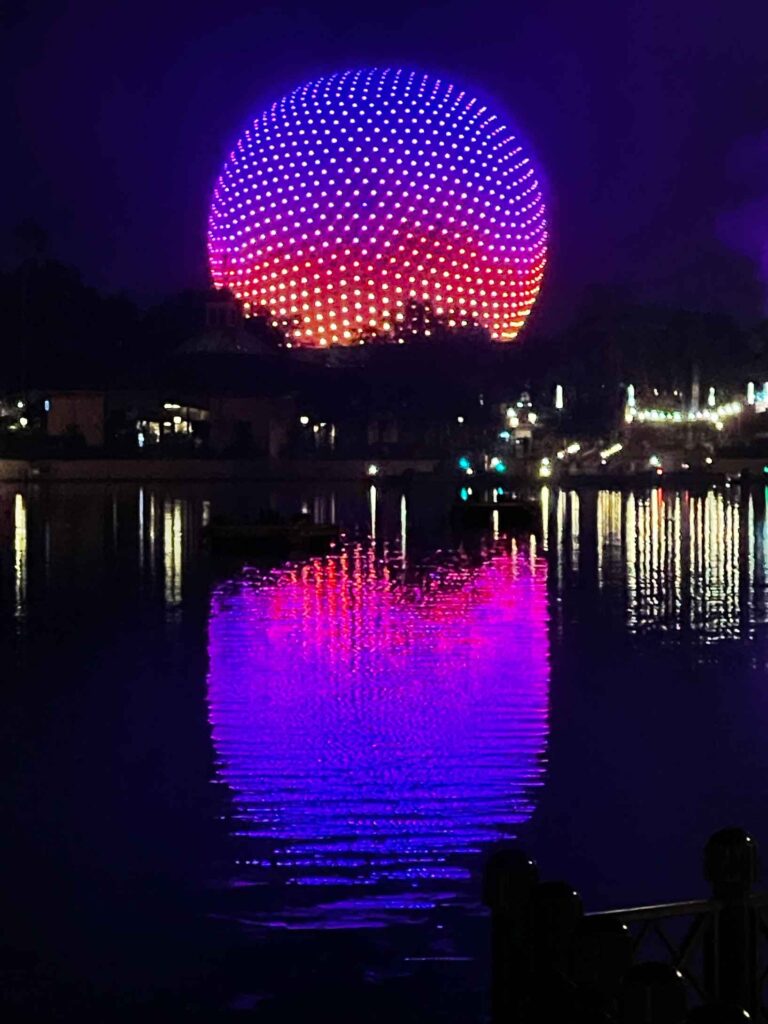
x: 225, y: 332
x: 76, y: 414
x: 250, y: 426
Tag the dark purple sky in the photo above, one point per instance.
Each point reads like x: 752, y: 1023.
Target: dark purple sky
x: 649, y: 118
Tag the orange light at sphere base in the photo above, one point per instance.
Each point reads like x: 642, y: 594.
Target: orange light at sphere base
x: 362, y: 194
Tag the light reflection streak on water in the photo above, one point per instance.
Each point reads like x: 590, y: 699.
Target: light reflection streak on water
x: 545, y: 500
x: 609, y: 516
x: 372, y: 507
x: 575, y: 527
x: 20, y: 555
x: 152, y: 533
x: 172, y: 552
x: 560, y: 536
x: 403, y: 527
x: 677, y: 556
x: 752, y: 582
x: 141, y: 530
x: 378, y: 730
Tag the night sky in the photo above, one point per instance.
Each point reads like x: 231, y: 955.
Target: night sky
x: 649, y: 118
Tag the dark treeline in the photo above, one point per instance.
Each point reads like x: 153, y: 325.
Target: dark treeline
x: 61, y: 333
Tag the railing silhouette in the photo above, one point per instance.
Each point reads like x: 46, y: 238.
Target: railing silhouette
x: 695, y: 961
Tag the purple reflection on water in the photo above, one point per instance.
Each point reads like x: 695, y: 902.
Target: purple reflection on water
x: 375, y: 729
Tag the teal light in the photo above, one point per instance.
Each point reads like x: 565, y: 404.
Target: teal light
x: 464, y: 462
x: 464, y: 494
x: 501, y: 467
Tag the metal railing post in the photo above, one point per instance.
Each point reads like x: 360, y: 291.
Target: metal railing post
x: 602, y: 955
x: 652, y: 993
x: 731, y: 953
x: 508, y: 881
x: 556, y: 913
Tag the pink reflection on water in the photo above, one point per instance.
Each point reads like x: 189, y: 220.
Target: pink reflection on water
x: 378, y: 730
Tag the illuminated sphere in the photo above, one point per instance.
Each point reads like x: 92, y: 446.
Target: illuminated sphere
x: 360, y: 197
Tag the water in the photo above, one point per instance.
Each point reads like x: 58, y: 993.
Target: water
x: 248, y: 785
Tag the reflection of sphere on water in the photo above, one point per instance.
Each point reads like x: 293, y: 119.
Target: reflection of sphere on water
x: 375, y: 732
x: 361, y: 194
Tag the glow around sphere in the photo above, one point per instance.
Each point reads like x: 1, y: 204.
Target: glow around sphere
x: 359, y: 194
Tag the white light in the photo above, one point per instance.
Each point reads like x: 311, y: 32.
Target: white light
x: 711, y: 399
x: 304, y: 421
x: 654, y: 461
x: 171, y: 405
x: 708, y: 460
x: 559, y: 396
x: 573, y: 448
x: 47, y: 405
x: 751, y: 393
x: 19, y: 404
x: 177, y: 419
x: 532, y: 417
x: 459, y: 419
x: 373, y: 470
x: 613, y: 450
x: 23, y: 421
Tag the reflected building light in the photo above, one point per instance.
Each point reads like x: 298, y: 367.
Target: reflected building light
x: 205, y: 518
x: 152, y: 532
x: 560, y: 511
x: 609, y: 505
x: 20, y: 554
x: 682, y: 565
x: 599, y: 526
x: 318, y: 508
x: 544, y: 499
x: 372, y: 502
x: 403, y: 527
x: 752, y: 581
x: 675, y: 548
x: 368, y: 728
x: 141, y: 530
x: 47, y: 549
x: 172, y: 552
x: 575, y: 527
x: 631, y: 559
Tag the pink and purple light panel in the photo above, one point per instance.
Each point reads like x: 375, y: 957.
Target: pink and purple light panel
x: 363, y: 192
